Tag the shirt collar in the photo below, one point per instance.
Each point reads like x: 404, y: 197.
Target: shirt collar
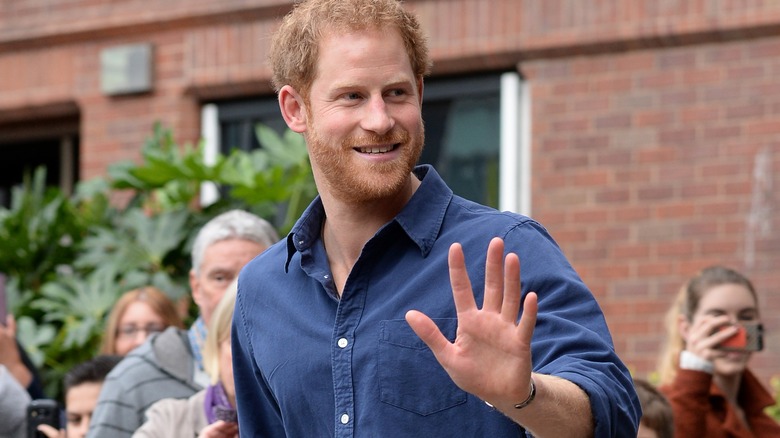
x: 420, y: 219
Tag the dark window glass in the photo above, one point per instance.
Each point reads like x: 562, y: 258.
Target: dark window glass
x: 462, y: 131
x: 22, y: 157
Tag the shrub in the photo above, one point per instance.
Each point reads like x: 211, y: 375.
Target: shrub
x: 68, y: 258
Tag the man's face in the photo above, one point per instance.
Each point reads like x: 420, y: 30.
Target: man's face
x: 80, y: 401
x: 364, y: 128
x: 222, y: 261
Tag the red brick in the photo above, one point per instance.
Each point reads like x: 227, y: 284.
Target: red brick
x: 633, y: 121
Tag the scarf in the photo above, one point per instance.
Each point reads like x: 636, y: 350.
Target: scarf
x: 217, y: 405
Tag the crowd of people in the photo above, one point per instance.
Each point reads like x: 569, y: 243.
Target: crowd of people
x: 393, y: 307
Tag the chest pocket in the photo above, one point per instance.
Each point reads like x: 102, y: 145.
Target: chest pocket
x: 410, y: 377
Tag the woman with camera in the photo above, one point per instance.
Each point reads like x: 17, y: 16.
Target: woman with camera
x: 714, y: 328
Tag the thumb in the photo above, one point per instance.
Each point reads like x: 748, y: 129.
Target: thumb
x: 428, y: 331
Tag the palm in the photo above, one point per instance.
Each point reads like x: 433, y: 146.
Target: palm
x: 491, y: 355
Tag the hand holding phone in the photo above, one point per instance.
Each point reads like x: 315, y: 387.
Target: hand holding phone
x: 749, y: 337
x: 42, y: 411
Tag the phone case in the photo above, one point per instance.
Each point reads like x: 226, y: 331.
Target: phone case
x: 42, y: 411
x: 749, y: 337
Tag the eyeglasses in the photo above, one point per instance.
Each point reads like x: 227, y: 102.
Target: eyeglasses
x: 131, y: 331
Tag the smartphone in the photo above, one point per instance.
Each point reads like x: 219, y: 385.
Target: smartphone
x: 42, y: 411
x: 3, y: 300
x: 749, y: 337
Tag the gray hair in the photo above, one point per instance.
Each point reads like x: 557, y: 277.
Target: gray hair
x: 233, y: 224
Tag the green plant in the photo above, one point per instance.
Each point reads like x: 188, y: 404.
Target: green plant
x: 68, y: 258
x: 274, y: 182
x: 774, y: 410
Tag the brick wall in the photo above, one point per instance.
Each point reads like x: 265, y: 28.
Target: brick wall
x: 651, y: 119
x: 651, y: 164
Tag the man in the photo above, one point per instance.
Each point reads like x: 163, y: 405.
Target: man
x: 82, y: 386
x: 168, y: 365
x: 325, y: 341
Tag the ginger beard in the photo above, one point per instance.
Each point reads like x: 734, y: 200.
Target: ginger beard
x: 351, y: 180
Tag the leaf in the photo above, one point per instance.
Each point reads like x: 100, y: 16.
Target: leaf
x: 34, y: 337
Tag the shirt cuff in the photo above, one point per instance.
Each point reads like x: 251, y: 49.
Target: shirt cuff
x: 689, y: 361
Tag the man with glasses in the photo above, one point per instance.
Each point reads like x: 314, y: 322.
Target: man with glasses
x: 169, y: 364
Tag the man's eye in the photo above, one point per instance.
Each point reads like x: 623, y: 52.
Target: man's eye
x: 352, y: 96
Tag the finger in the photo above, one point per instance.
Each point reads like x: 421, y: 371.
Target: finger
x: 10, y: 322
x: 707, y: 326
x: 459, y: 279
x: 494, y: 276
x: 528, y: 318
x: 511, y: 305
x: 721, y: 335
x: 429, y: 332
x: 49, y: 431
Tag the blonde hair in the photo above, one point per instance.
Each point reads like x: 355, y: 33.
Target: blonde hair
x: 219, y: 331
x: 685, y: 305
x: 295, y: 46
x: 155, y: 298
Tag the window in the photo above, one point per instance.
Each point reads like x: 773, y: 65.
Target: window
x: 472, y: 134
x: 25, y: 147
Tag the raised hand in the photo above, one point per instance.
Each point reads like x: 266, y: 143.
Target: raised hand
x: 9, y: 353
x: 220, y: 429
x: 702, y: 335
x: 491, y: 355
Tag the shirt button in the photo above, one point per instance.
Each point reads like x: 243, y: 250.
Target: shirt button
x: 300, y: 242
x: 343, y: 342
x: 326, y: 276
x: 344, y: 418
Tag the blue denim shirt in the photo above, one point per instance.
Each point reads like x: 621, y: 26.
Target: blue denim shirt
x: 308, y: 364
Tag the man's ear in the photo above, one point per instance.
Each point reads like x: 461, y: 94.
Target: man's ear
x: 195, y: 287
x: 293, y: 109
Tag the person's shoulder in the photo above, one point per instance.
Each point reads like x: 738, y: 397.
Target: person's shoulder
x: 171, y: 337
x: 143, y: 360
x: 470, y: 211
x: 170, y: 405
x: 178, y: 408
x: 272, y: 258
x: 278, y: 249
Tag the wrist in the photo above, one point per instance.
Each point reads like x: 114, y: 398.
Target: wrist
x: 690, y: 361
x: 531, y: 396
x: 527, y: 401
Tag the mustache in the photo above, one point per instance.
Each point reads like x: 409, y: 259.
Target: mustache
x: 392, y: 137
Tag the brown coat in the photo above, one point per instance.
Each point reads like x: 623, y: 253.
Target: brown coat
x: 701, y: 410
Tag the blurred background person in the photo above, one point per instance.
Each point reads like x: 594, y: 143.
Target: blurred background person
x: 82, y: 387
x: 13, y: 405
x: 15, y: 359
x: 710, y: 388
x: 169, y: 364
x: 136, y: 315
x: 212, y: 411
x: 657, y: 416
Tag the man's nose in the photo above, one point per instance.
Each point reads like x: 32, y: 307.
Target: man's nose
x: 377, y: 118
